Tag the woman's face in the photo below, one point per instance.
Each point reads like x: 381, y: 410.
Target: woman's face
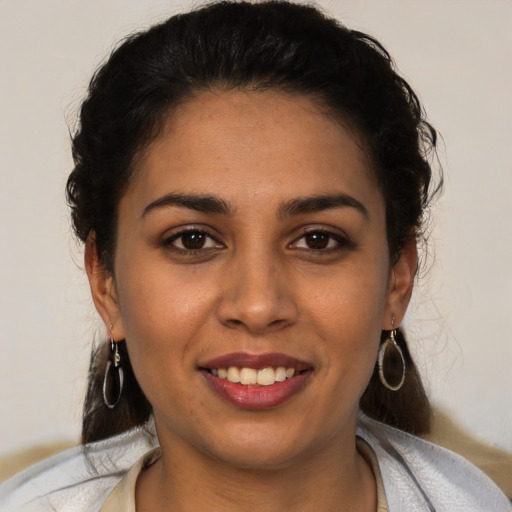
x: 252, y: 241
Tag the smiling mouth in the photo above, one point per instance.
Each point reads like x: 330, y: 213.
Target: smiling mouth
x: 254, y: 377
x: 256, y: 381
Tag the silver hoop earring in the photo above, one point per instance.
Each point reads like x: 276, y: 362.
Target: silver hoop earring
x: 390, y: 356
x: 114, y: 377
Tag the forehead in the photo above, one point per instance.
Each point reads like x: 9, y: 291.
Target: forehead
x: 264, y: 144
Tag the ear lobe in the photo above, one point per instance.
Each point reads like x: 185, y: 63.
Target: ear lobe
x: 103, y: 289
x: 401, y: 283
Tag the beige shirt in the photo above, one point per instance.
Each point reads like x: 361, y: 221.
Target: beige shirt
x: 122, y: 497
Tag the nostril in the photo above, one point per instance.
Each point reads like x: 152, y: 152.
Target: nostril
x: 234, y: 323
x: 256, y: 308
x: 255, y: 327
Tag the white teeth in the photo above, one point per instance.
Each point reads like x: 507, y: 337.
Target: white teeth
x: 266, y: 377
x: 250, y: 376
x: 233, y: 374
x: 280, y: 374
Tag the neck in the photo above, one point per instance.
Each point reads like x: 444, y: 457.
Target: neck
x: 324, y: 481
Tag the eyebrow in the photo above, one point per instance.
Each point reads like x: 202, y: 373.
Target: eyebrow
x: 319, y: 203
x: 200, y: 203
x: 298, y: 206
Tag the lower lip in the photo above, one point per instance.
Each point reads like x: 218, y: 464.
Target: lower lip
x: 257, y: 397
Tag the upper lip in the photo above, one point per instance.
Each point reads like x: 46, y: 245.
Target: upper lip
x: 256, y: 361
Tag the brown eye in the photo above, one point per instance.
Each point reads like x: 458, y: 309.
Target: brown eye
x: 317, y: 240
x: 193, y: 240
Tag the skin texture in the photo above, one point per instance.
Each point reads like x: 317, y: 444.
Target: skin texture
x: 257, y: 285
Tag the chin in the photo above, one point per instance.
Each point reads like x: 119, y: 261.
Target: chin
x: 258, y: 456
x: 262, y: 446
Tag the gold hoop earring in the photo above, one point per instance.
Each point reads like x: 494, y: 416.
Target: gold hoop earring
x: 114, y: 376
x: 391, y: 363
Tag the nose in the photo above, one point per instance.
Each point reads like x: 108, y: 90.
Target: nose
x: 257, y: 295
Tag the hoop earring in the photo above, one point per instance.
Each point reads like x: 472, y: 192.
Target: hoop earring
x: 392, y: 353
x: 114, y: 377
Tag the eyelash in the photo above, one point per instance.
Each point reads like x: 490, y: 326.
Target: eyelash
x: 341, y: 242
x: 169, y: 242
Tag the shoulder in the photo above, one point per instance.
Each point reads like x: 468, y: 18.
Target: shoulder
x: 418, y: 474
x: 75, y: 480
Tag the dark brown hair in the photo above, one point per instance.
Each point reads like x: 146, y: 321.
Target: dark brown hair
x: 276, y: 46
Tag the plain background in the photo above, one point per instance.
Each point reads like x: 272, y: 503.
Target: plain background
x: 456, y: 53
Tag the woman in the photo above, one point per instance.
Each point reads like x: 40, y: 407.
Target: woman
x: 250, y: 183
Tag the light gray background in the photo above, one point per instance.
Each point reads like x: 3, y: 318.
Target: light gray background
x: 456, y: 54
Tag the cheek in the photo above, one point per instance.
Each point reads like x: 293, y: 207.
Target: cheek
x: 352, y: 301
x: 162, y: 313
x: 158, y: 300
x: 347, y: 315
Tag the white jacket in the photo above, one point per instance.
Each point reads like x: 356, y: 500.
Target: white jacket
x: 417, y: 475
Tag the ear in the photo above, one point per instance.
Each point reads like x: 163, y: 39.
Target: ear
x: 401, y: 282
x: 103, y: 290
